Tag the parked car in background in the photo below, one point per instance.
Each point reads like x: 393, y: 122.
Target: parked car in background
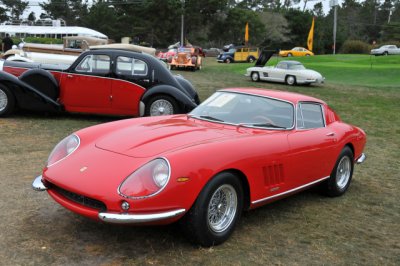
x: 239, y: 54
x: 386, y: 50
x: 167, y: 56
x: 112, y: 82
x: 72, y: 45
x: 212, y: 52
x: 187, y: 58
x: 238, y: 150
x: 296, y: 51
x: 289, y: 72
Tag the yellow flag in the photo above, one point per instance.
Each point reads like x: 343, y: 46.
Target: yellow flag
x: 246, y: 33
x: 311, y: 36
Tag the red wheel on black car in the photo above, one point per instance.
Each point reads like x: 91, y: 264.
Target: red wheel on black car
x: 161, y: 105
x: 217, y: 209
x: 7, y: 101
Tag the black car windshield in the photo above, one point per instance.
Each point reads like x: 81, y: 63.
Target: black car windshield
x: 246, y: 110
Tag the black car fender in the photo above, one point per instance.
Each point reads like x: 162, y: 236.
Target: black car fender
x: 185, y: 102
x: 28, y: 97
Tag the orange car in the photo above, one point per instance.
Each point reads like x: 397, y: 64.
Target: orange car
x: 187, y: 57
x: 296, y: 51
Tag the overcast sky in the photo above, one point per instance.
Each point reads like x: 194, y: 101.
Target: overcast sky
x: 34, y: 6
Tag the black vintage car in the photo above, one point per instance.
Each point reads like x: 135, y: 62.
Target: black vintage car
x: 114, y: 82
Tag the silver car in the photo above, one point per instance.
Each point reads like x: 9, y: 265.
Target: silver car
x: 386, y: 50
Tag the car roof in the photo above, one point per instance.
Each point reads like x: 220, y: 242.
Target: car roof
x: 283, y: 95
x: 290, y: 62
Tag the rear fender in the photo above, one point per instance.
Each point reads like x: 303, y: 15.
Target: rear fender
x: 28, y: 97
x: 183, y: 100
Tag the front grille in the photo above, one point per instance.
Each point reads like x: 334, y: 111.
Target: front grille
x: 80, y: 199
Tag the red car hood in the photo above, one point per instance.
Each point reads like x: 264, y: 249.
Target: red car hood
x: 156, y: 137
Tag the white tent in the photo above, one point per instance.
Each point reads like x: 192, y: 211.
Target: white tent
x: 48, y: 31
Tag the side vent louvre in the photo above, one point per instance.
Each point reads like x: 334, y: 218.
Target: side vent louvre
x: 273, y: 175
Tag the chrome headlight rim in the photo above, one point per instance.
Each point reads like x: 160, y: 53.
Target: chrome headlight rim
x: 152, y: 194
x: 59, y: 143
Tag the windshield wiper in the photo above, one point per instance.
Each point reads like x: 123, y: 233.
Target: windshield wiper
x: 211, y: 118
x: 206, y: 117
x: 261, y: 125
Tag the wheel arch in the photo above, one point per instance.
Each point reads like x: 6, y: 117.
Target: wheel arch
x: 184, y: 102
x: 351, y: 146
x: 27, y: 96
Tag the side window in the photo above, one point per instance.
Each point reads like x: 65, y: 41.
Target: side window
x: 98, y: 64
x: 245, y: 50
x: 281, y: 65
x: 310, y: 115
x: 131, y: 66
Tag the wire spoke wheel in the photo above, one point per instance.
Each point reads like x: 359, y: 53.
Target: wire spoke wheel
x: 222, y: 208
x: 343, y: 172
x: 161, y: 107
x: 3, y: 100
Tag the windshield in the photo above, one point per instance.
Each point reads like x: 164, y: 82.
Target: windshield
x: 247, y: 110
x: 232, y: 51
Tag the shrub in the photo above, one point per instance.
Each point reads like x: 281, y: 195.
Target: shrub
x: 355, y: 47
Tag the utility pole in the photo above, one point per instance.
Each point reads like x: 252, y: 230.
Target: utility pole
x: 183, y: 23
x: 334, y: 4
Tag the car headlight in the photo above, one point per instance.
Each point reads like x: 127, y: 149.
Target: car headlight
x: 147, y: 181
x: 63, y: 149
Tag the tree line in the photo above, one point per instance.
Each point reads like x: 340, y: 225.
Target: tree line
x: 274, y: 24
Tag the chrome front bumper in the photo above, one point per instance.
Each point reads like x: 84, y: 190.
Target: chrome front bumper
x: 361, y: 159
x: 38, y: 184
x: 125, y: 218
x: 121, y: 218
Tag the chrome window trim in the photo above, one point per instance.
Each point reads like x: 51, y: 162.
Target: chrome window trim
x: 321, y: 105
x: 290, y: 191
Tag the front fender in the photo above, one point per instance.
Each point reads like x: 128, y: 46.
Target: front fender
x: 27, y: 96
x: 183, y: 99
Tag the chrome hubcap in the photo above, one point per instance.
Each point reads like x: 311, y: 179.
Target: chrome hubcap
x: 3, y: 100
x: 222, y: 208
x: 161, y: 107
x: 290, y: 80
x: 254, y: 76
x: 343, y: 172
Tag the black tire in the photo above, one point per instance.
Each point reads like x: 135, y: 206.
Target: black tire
x: 340, y: 178
x: 385, y: 53
x: 289, y: 54
x: 255, y: 76
x: 290, y: 80
x: 196, y: 223
x: 251, y: 59
x: 158, y: 102
x: 307, y: 54
x: 7, y: 101
x: 228, y: 61
x: 42, y: 81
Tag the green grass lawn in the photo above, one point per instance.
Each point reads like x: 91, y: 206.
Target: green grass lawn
x: 359, y: 228
x: 358, y: 70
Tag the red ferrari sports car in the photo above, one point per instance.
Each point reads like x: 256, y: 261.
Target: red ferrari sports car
x: 238, y: 150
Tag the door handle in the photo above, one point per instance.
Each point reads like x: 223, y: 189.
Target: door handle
x: 69, y: 76
x: 331, y: 134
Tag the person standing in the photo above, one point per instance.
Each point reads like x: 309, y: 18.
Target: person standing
x: 7, y: 43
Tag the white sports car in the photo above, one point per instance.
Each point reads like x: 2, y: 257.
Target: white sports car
x: 289, y: 72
